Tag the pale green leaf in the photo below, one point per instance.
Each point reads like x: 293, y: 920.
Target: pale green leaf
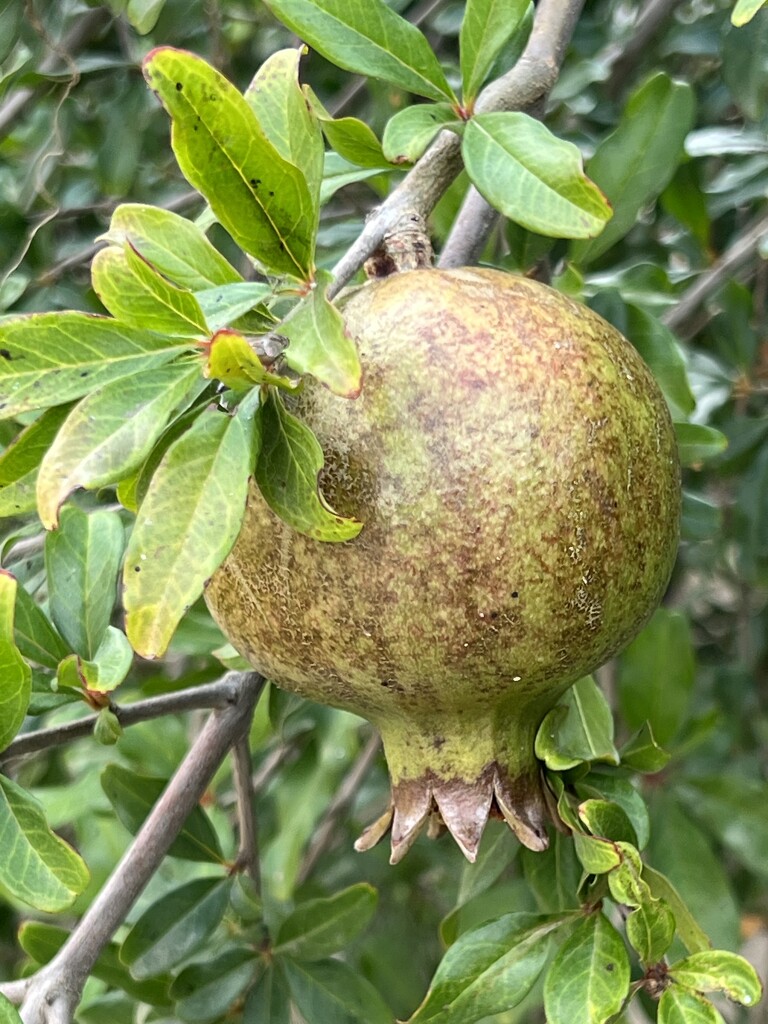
x: 697, y: 443
x: 641, y: 752
x: 411, y: 130
x: 261, y: 199
x: 589, y: 978
x: 531, y: 176
x: 35, y: 635
x: 287, y: 471
x: 679, y: 1005
x: 37, y: 867
x: 607, y: 820
x: 486, y: 28
x: 232, y: 361
x: 143, y: 14
x: 15, y: 673
x: 691, y: 934
x: 225, y: 303
x: 56, y: 357
x: 187, y: 524
x: 352, y: 138
x: 8, y: 1012
x: 597, y: 856
x: 110, y: 433
x: 718, y: 970
x: 368, y: 37
x: 110, y: 665
x: 579, y: 728
x: 650, y: 930
x: 20, y: 462
x: 745, y: 10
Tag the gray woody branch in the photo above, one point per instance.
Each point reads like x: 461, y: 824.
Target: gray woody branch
x: 51, y: 996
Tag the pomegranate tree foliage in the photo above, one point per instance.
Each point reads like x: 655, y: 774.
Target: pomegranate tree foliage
x: 130, y: 436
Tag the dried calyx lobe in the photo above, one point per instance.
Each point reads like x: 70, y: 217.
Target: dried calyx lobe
x: 516, y: 470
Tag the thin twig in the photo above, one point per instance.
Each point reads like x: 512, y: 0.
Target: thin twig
x: 345, y: 794
x: 531, y: 77
x: 210, y: 695
x: 743, y: 248
x: 53, y: 993
x: 248, y: 850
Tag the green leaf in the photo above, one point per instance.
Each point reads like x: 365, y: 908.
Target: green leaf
x: 489, y: 969
x: 107, y: 729
x: 268, y: 1000
x: 579, y: 728
x: 259, y: 197
x: 497, y: 851
x: 626, y: 883
x: 352, y: 139
x: 187, y: 523
x: 733, y: 807
x: 650, y: 930
x: 642, y: 753
x: 143, y: 14
x: 717, y: 970
x: 174, y: 245
x: 679, y: 1005
x: 607, y: 820
x: 701, y: 518
x: 133, y: 796
x: 321, y: 927
x: 531, y: 176
x: 554, y: 875
x: 638, y: 159
x: 8, y: 1012
x: 369, y: 38
x: 176, y: 925
x: 319, y: 344
x: 697, y: 443
x: 689, y: 931
x: 20, y: 462
x: 205, y: 991
x: 656, y: 675
x: 57, y: 357
x: 339, y: 172
x: 286, y: 118
x: 331, y: 991
x: 110, y: 433
x: 37, y: 867
x: 82, y: 559
x: 661, y: 351
x: 597, y: 856
x: 108, y: 667
x: 589, y: 978
x: 35, y: 634
x: 234, y: 362
x: 287, y: 471
x: 43, y: 941
x: 745, y: 10
x: 486, y: 28
x: 411, y: 130
x: 15, y: 673
x: 225, y: 303
x: 135, y: 293
x: 607, y: 785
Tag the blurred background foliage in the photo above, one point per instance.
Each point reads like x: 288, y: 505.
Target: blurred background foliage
x: 79, y: 133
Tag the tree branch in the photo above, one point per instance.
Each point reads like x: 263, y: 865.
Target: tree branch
x: 51, y: 996
x: 743, y: 248
x: 531, y: 78
x: 248, y: 848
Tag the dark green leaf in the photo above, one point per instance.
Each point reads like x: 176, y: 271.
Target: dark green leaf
x: 11, y: 20
x: 689, y: 931
x: 642, y: 753
x: 143, y: 14
x: 554, y: 874
x: 321, y: 927
x: 187, y: 523
x: 579, y: 728
x: 589, y: 978
x: 259, y: 197
x: 497, y: 851
x: 15, y: 673
x: 269, y: 1001
x: 411, y: 130
x: 697, y: 443
x: 205, y: 991
x: 717, y: 970
x: 733, y: 808
x: 679, y: 1005
x: 111, y: 432
x: 650, y: 930
x: 37, y: 867
x: 743, y: 67
x: 332, y: 991
x: 656, y: 674
x: 368, y: 37
x: 531, y: 176
x: 489, y: 969
x: 701, y: 519
x: 287, y: 470
x: 57, y: 357
x: 610, y: 786
x: 637, y: 160
x: 133, y: 796
x: 607, y: 820
x: 486, y: 28
x: 34, y: 633
x: 175, y: 926
x: 661, y: 351
x: 82, y: 560
x: 20, y: 461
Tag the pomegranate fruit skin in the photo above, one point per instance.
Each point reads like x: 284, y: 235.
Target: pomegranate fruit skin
x: 515, y: 467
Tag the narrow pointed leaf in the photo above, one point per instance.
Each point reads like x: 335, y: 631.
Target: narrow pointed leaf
x: 350, y: 137
x: 56, y: 357
x: 287, y: 472
x: 679, y: 1005
x: 717, y: 970
x: 319, y: 344
x: 35, y: 634
x: 288, y: 121
x: 332, y: 991
x: 173, y: 244
x: 187, y: 524
x: 321, y: 927
x: 259, y: 197
x: 225, y: 303
x: 369, y: 38
x: 206, y: 991
x: 489, y: 969
x: 487, y: 27
x: 532, y: 177
x: 133, y: 796
x: 745, y: 10
x: 661, y: 351
x: 232, y: 361
x: 650, y: 930
x: 110, y: 433
x: 578, y: 729
x: 8, y: 1012
x: 411, y: 130
x: 172, y: 928
x: 82, y: 559
x: 15, y: 673
x: 589, y: 978
x: 20, y: 462
x: 693, y: 937
x: 642, y: 753
x: 136, y: 294
x: 268, y: 1000
x: 637, y: 160
x: 37, y: 867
